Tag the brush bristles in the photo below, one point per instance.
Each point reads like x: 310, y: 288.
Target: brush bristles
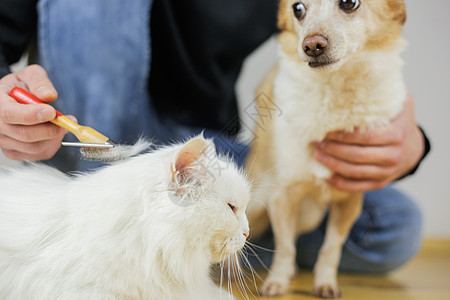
x: 115, y: 153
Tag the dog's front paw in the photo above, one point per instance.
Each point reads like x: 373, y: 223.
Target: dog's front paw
x: 327, y: 291
x: 275, y: 286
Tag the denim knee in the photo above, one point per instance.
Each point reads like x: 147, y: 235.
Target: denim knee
x: 385, y: 236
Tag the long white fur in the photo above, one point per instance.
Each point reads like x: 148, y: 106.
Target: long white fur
x: 115, y: 233
x: 118, y: 152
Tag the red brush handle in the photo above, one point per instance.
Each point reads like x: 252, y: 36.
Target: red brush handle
x: 25, y: 97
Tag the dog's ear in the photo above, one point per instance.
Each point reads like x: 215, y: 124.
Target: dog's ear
x: 398, y: 10
x: 285, y: 19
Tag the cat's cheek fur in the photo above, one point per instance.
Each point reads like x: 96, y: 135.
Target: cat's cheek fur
x: 224, y: 246
x: 227, y: 236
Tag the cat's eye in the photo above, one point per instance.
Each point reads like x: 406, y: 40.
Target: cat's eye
x: 349, y: 5
x: 299, y: 10
x: 232, y: 207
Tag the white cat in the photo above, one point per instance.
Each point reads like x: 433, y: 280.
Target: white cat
x: 146, y: 228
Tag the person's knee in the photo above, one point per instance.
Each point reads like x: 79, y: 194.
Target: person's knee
x: 392, y: 237
x: 407, y: 241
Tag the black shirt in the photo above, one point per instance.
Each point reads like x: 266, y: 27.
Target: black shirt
x: 17, y: 27
x: 198, y: 48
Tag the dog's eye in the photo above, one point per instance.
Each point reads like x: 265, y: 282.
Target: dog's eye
x: 349, y: 5
x: 299, y: 10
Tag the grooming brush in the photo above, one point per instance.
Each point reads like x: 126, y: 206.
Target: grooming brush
x: 93, y: 145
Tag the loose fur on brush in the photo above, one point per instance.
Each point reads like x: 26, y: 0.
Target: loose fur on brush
x: 339, y: 68
x: 145, y: 228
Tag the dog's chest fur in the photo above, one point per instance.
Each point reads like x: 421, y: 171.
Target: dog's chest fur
x: 366, y: 92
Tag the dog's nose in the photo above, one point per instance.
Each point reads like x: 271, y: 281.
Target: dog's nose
x: 314, y: 46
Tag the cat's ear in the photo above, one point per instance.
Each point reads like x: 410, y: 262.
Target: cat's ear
x: 190, y: 153
x: 190, y: 159
x: 188, y: 169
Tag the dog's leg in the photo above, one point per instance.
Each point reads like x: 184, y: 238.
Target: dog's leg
x: 283, y: 211
x: 341, y: 218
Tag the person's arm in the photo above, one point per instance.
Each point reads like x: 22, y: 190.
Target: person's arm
x: 363, y: 161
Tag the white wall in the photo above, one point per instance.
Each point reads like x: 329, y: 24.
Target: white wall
x: 427, y: 73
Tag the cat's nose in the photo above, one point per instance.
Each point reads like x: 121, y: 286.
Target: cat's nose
x: 246, y: 234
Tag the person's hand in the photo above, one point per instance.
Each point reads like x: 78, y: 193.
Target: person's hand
x: 25, y: 133
x: 363, y: 161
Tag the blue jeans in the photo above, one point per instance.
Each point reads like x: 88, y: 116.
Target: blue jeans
x: 385, y: 236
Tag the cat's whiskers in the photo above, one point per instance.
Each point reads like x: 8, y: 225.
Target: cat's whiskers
x: 254, y: 180
x: 222, y: 257
x: 236, y: 264
x: 230, y: 287
x: 237, y: 275
x: 250, y: 245
x: 251, y: 164
x: 240, y: 275
x: 225, y: 257
x: 256, y: 183
x: 246, y: 263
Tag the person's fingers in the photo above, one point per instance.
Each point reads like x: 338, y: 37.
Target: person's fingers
x: 23, y: 147
x: 12, y: 112
x: 35, y: 133
x: 350, y: 170
x: 26, y: 114
x: 8, y: 82
x: 20, y: 156
x: 18, y: 150
x: 36, y: 78
x: 19, y: 140
x: 352, y: 185
x: 357, y: 154
x: 377, y: 137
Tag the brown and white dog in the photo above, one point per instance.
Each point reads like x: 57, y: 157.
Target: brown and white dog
x: 339, y: 68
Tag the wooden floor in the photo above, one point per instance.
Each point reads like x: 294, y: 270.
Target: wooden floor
x: 426, y: 277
